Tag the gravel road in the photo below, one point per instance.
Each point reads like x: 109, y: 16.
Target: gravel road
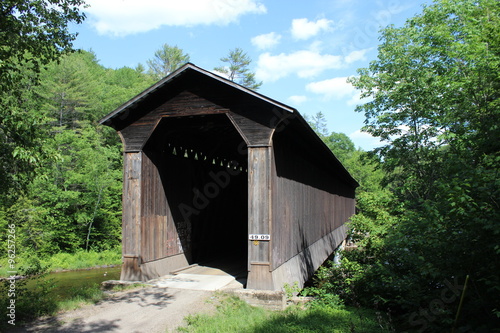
x: 142, y: 310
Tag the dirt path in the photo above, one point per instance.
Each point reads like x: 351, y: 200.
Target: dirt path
x: 161, y: 307
x: 141, y: 310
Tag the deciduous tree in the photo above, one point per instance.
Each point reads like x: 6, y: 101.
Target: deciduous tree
x: 434, y: 91
x: 32, y: 34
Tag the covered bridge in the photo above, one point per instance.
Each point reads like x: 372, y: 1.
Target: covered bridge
x: 216, y: 172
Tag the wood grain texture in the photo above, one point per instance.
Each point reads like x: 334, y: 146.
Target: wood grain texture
x: 131, y: 211
x: 308, y: 200
x: 259, y: 201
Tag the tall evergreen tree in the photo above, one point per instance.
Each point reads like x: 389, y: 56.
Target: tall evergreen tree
x: 166, y: 60
x: 237, y: 69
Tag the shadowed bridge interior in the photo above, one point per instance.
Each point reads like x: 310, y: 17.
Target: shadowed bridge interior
x: 202, y: 166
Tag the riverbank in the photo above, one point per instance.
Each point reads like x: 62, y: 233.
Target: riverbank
x: 46, y: 294
x: 65, y: 261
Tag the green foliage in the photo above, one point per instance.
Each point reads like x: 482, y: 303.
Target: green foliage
x: 74, y: 200
x: 434, y: 91
x: 291, y: 290
x: 318, y: 124
x: 78, y: 202
x: 30, y: 303
x: 340, y: 145
x: 32, y: 34
x: 78, y: 88
x: 36, y: 30
x: 64, y: 261
x: 324, y: 291
x: 21, y: 135
x: 84, y: 259
x: 238, y: 70
x: 434, y: 100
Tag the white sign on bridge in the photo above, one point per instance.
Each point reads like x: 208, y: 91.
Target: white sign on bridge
x: 259, y: 237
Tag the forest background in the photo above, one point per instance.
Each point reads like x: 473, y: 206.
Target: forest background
x: 428, y: 204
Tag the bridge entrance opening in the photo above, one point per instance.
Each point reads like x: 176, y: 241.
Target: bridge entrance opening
x: 202, y: 166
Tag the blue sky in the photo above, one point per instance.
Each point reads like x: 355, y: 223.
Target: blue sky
x: 302, y: 51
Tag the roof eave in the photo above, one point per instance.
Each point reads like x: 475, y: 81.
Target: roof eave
x: 189, y: 66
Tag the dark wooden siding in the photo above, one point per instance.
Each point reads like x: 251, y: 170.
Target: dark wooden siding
x: 131, y: 213
x: 302, y: 215
x: 259, y: 192
x: 161, y: 234
x: 309, y: 201
x: 185, y: 103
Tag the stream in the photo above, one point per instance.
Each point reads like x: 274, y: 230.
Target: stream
x: 66, y: 282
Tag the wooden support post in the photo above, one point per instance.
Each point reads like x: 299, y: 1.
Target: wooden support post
x: 131, y: 217
x: 259, y: 217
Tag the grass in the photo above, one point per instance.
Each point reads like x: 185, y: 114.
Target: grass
x: 123, y: 287
x: 82, y: 259
x: 68, y: 261
x: 80, y: 297
x: 234, y: 315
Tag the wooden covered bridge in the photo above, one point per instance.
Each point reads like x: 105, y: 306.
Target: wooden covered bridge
x: 213, y: 170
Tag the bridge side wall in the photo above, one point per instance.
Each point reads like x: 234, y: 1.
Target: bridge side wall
x: 310, y: 205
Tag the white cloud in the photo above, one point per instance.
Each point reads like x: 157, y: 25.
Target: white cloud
x: 365, y: 140
x: 356, y: 99
x: 337, y: 88
x: 124, y: 17
x: 297, y: 99
x: 359, y: 134
x: 266, y: 41
x: 356, y: 56
x: 304, y: 63
x: 332, y: 88
x: 224, y: 75
x: 304, y: 29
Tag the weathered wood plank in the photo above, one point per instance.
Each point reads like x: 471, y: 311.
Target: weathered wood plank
x: 260, y: 277
x: 308, y: 203
x: 159, y: 231
x: 131, y: 211
x: 259, y: 201
x: 185, y: 103
x: 255, y: 133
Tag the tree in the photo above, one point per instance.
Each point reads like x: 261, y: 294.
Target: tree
x: 318, y: 124
x: 238, y: 70
x: 435, y: 85
x: 32, y: 34
x: 166, y: 60
x: 434, y: 93
x: 341, y: 145
x: 35, y: 33
x: 67, y: 88
x: 73, y: 200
